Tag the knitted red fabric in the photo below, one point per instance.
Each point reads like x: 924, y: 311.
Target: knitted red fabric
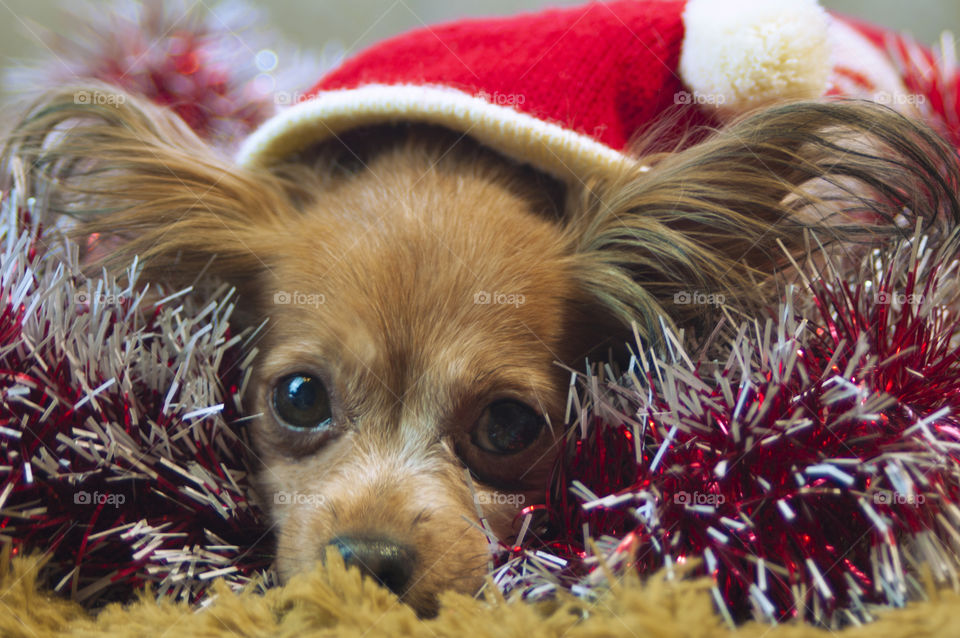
x: 567, y: 90
x: 551, y: 65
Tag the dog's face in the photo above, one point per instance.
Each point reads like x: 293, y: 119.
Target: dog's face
x: 417, y: 317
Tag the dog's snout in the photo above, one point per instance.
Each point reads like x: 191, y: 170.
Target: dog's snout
x: 391, y: 563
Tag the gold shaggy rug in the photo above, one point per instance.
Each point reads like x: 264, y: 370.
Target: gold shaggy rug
x: 332, y: 601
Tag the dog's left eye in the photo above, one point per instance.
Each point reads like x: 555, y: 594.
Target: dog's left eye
x: 507, y: 427
x: 301, y: 402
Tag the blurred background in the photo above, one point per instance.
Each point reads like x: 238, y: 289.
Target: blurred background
x: 352, y: 24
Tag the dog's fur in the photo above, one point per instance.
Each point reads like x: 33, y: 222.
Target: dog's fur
x: 398, y: 229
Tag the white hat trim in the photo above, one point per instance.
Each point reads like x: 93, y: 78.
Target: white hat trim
x: 561, y: 152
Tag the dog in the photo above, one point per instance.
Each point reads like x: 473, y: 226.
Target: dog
x: 427, y: 295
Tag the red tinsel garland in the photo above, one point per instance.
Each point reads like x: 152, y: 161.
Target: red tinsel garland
x: 812, y: 472
x: 118, y: 459
x: 216, y: 66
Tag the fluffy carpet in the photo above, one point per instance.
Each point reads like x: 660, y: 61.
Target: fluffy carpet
x: 336, y: 602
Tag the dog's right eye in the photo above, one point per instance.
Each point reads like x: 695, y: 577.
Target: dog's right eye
x: 301, y: 402
x: 507, y: 427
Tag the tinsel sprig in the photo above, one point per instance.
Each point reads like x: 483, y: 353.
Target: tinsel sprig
x: 122, y: 455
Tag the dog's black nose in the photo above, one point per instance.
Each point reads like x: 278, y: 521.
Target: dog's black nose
x: 389, y: 562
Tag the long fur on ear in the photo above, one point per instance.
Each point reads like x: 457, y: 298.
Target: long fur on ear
x: 134, y: 175
x: 711, y: 219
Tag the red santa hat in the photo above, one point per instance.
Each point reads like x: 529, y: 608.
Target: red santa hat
x: 566, y: 90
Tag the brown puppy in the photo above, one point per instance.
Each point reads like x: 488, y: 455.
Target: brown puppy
x: 421, y: 291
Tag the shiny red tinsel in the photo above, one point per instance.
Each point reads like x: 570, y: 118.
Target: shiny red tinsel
x: 216, y: 65
x: 811, y: 472
x: 118, y: 457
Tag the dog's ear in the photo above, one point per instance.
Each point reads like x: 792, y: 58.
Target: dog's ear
x: 684, y: 232
x: 138, y: 181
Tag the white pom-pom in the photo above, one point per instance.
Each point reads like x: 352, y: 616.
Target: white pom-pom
x: 739, y: 54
